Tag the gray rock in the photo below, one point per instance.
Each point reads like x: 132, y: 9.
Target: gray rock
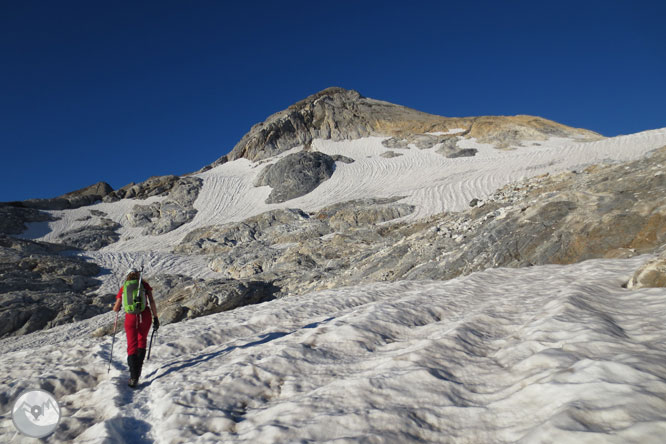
x: 449, y: 148
x: 40, y: 289
x: 363, y: 213
x: 154, y: 186
x: 276, y: 226
x: 171, y: 213
x: 185, y: 298
x: 75, y: 199
x: 92, y: 237
x: 342, y: 159
x: 13, y: 218
x: 396, y: 143
x: 296, y: 175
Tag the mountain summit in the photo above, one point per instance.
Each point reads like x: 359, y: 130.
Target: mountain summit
x: 341, y: 114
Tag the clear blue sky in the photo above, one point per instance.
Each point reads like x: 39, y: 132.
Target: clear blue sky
x: 119, y: 91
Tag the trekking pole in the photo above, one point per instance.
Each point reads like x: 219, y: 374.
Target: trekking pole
x: 151, y: 343
x: 115, y: 325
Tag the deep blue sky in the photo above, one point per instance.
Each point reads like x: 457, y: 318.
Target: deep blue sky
x: 119, y: 91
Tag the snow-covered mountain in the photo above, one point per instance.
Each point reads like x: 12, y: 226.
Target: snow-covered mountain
x: 371, y: 233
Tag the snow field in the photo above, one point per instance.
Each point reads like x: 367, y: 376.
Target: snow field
x: 428, y: 180
x: 559, y: 353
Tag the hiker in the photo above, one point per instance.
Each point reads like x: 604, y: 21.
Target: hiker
x: 137, y: 320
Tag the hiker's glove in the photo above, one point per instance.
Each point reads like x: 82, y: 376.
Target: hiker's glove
x: 156, y: 323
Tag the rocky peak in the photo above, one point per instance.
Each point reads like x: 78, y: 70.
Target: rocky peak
x: 342, y: 114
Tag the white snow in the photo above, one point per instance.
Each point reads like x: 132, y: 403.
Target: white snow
x: 542, y: 354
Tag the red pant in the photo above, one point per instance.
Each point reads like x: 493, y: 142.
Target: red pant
x: 137, y: 327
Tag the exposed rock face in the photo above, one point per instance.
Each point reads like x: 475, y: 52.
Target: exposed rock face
x: 296, y: 175
x: 92, y: 237
x: 340, y: 114
x: 450, y: 149
x: 278, y: 226
x: 447, y: 144
x: 154, y: 186
x: 75, y: 199
x: 512, y: 131
x: 282, y: 243
x: 41, y: 289
x: 176, y: 210
x: 13, y: 218
x: 194, y: 298
x: 98, y: 190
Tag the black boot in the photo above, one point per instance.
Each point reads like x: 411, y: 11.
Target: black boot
x: 140, y: 356
x: 132, y: 362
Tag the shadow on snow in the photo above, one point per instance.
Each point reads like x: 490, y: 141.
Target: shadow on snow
x: 263, y: 339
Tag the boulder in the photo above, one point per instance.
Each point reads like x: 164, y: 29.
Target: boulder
x: 195, y: 298
x: 296, y: 175
x: 652, y: 274
x: 92, y: 237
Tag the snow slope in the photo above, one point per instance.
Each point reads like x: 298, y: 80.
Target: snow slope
x: 542, y: 354
x: 428, y: 180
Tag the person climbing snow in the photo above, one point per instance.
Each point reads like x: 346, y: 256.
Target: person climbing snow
x: 132, y: 298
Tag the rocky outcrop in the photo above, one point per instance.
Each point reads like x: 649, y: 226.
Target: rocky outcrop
x: 505, y: 132
x: 340, y: 114
x: 278, y: 243
x: 363, y: 213
x: 174, y: 211
x: 195, y: 298
x: 13, y: 219
x: 154, y: 186
x: 296, y: 175
x: 41, y: 289
x: 446, y: 144
x: 75, y: 199
x: 274, y: 227
x: 92, y: 237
